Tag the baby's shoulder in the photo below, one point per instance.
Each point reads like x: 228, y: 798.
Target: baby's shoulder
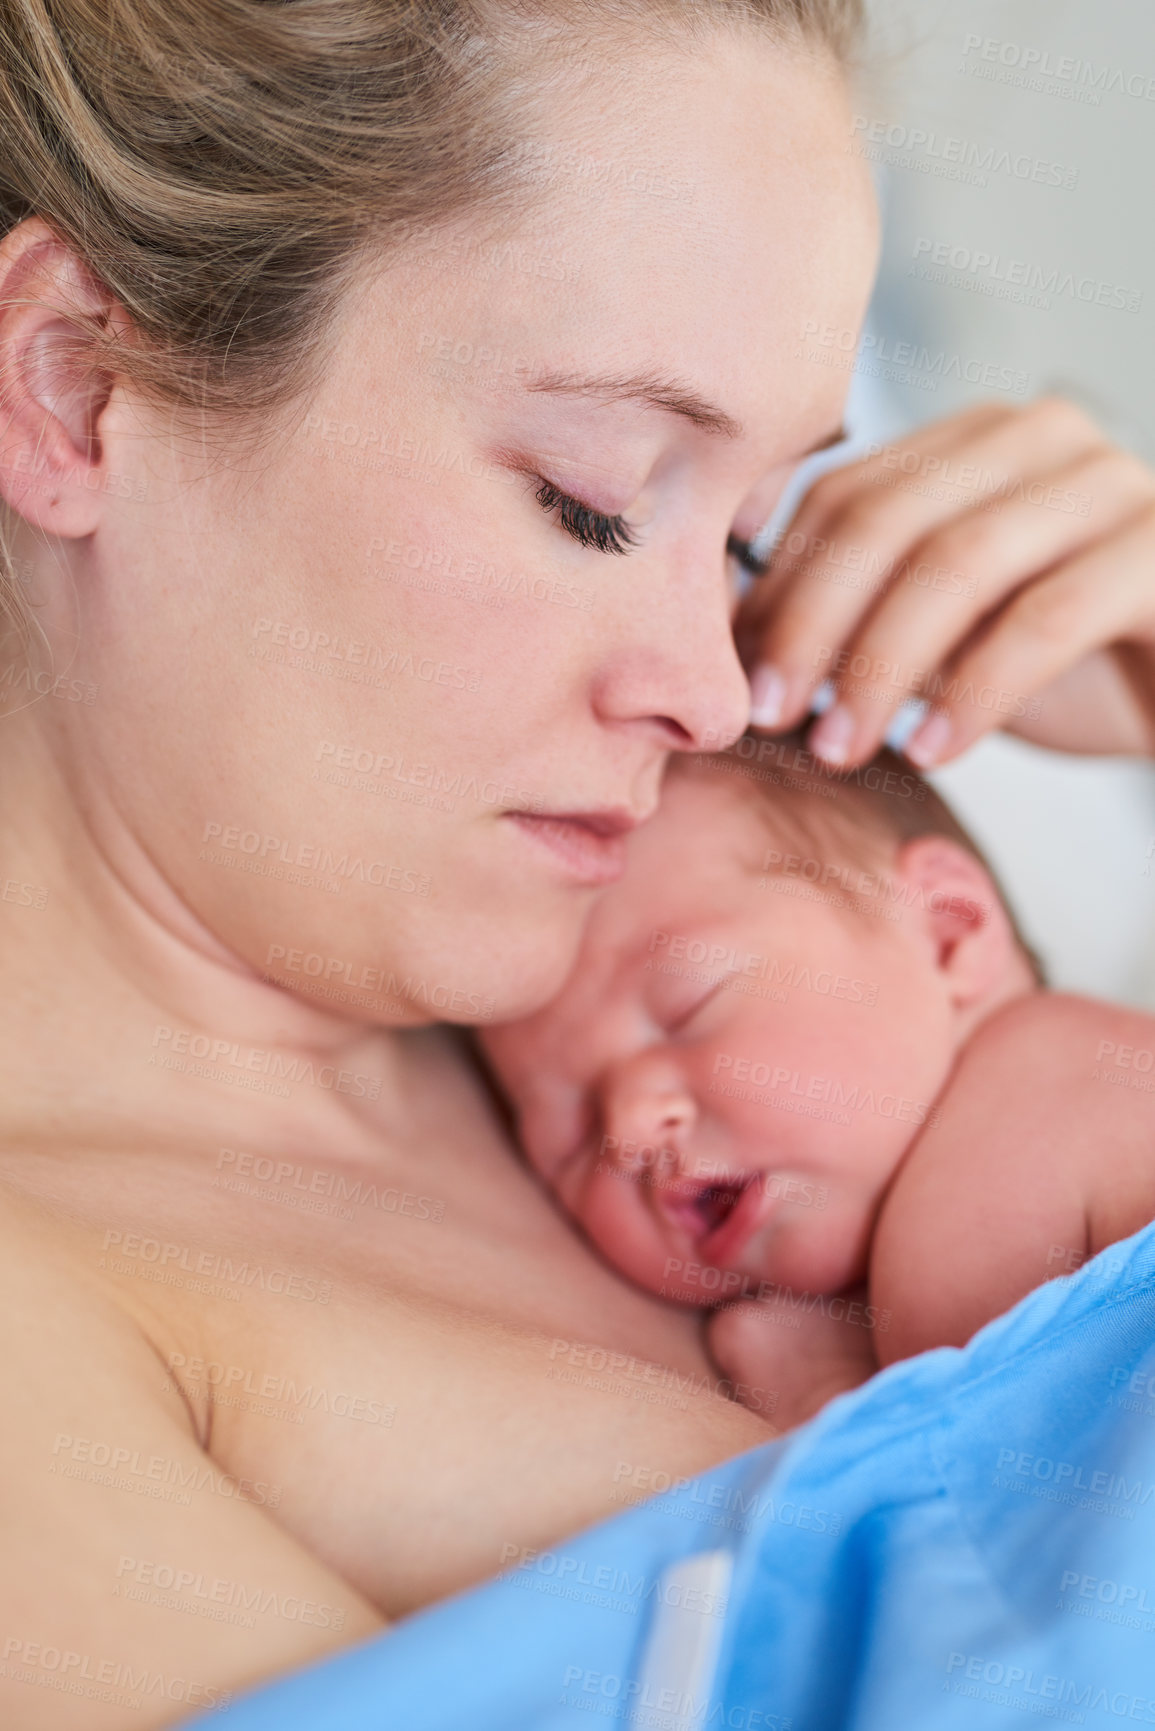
x: 1037, y: 1154
x: 990, y: 1200
x: 1045, y: 1094
x: 1054, y: 1076
x: 1043, y: 1029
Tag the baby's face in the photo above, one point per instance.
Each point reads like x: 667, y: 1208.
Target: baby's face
x: 731, y: 1073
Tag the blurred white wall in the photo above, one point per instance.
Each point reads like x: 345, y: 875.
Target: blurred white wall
x: 1014, y: 147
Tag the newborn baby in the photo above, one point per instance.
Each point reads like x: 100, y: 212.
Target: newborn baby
x: 805, y: 1073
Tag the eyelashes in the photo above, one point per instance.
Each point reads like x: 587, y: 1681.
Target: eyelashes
x: 743, y: 552
x: 613, y: 534
x: 590, y: 528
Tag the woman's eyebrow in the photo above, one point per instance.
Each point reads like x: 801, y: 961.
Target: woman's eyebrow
x: 661, y: 393
x: 672, y: 395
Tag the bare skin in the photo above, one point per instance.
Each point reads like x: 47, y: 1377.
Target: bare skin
x: 160, y: 572
x: 162, y: 1334
x: 454, y: 1425
x: 1015, y: 549
x: 659, y: 1099
x: 1038, y: 1158
x: 1041, y: 1159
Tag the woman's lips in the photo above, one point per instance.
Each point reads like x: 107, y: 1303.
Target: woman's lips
x: 590, y: 845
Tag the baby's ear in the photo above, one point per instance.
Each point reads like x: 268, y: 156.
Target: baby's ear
x: 949, y: 897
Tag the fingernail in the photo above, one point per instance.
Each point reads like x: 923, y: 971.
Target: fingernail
x: 767, y: 696
x: 929, y: 742
x: 906, y: 723
x: 831, y: 738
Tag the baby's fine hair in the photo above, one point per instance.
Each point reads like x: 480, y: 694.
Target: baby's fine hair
x: 885, y: 801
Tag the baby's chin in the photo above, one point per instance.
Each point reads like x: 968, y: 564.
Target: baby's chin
x: 789, y: 1254
x: 704, y: 1243
x: 816, y: 1253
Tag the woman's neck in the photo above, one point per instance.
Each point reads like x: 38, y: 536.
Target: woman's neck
x: 124, y: 1020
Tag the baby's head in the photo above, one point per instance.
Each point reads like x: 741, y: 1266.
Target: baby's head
x: 761, y: 1016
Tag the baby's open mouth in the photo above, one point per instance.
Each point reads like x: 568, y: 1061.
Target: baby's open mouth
x: 719, y: 1217
x: 702, y: 1209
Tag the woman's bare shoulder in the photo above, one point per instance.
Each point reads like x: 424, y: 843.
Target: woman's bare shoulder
x: 125, y: 1549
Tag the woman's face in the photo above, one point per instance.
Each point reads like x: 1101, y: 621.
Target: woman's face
x: 364, y: 698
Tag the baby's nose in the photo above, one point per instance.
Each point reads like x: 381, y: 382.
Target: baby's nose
x: 648, y: 1115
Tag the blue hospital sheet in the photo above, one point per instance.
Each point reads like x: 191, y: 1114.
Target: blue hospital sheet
x: 966, y: 1541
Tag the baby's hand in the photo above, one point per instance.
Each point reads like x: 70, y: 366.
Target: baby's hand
x: 803, y: 1356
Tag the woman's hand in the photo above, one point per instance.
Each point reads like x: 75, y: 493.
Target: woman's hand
x: 1000, y: 565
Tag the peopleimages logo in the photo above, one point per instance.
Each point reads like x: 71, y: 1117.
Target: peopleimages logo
x: 454, y: 784
x: 1064, y: 68
x: 192, y: 1589
x: 869, y: 351
x: 335, y: 976
x: 262, y: 1060
x: 1011, y: 273
x: 976, y: 1668
x: 569, y: 1571
x: 1065, y: 1477
x: 275, y: 850
x: 122, y: 1683
x: 340, y: 657
x: 1105, y: 1592
x: 954, y: 158
x: 723, y: 960
x: 286, y: 1176
x: 829, y: 1090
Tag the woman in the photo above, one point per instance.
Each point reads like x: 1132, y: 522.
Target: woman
x: 372, y: 444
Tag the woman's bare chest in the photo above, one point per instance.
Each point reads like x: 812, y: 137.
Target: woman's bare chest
x: 417, y: 1440
x: 419, y: 1374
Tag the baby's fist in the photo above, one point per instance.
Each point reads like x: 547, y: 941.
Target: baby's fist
x: 796, y: 1359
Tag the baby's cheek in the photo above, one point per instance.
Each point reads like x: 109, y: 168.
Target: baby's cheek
x: 818, y: 1244
x: 761, y: 1128
x: 616, y: 1218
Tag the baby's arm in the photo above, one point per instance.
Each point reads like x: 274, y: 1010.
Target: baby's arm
x: 994, y: 1199
x: 801, y: 1350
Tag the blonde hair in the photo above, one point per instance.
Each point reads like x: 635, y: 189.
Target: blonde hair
x: 221, y: 166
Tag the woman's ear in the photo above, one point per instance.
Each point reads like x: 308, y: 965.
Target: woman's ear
x: 949, y: 896
x: 52, y: 392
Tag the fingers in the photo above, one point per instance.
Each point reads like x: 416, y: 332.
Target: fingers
x: 764, y: 617
x: 858, y: 525
x: 1048, y: 628
x: 1103, y: 706
x: 953, y: 583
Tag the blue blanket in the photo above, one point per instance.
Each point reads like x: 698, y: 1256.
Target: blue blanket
x: 967, y: 1539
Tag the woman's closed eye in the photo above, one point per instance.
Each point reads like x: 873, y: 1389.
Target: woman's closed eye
x: 743, y: 551
x: 592, y: 528
x: 614, y: 535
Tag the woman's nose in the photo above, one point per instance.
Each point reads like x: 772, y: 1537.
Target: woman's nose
x: 678, y: 676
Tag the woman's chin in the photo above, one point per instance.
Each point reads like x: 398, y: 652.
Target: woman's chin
x: 531, y: 968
